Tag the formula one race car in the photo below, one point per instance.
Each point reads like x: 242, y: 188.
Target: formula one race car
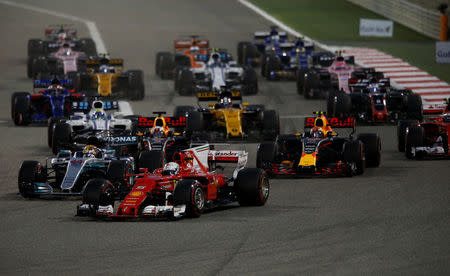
x: 95, y: 128
x: 374, y: 101
x: 278, y: 56
x: 55, y: 101
x: 185, y: 51
x: 425, y: 139
x: 63, y: 62
x: 330, y: 73
x: 320, y: 151
x: 55, y: 37
x: 227, y: 120
x: 185, y: 187
x: 218, y: 70
x: 105, y: 77
x: 68, y: 172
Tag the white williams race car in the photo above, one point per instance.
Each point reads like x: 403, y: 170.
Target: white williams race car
x: 219, y: 70
x: 95, y: 127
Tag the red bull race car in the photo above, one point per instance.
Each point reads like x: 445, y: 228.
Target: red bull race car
x: 320, y: 151
x: 185, y: 187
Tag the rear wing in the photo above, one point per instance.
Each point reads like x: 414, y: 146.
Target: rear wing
x: 264, y: 35
x: 95, y: 63
x: 85, y: 106
x: 184, y: 44
x: 334, y: 122
x: 214, y: 96
x: 383, y: 82
x: 147, y: 122
x: 66, y: 83
x: 52, y: 31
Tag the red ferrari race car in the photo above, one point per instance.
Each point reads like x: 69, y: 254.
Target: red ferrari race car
x: 185, y: 187
x: 426, y: 139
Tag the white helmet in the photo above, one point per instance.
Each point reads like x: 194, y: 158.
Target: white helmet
x: 171, y: 168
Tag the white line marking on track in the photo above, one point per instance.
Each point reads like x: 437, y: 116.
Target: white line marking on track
x: 92, y: 27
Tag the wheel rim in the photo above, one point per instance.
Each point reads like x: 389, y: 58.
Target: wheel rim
x: 199, y: 200
x: 264, y: 188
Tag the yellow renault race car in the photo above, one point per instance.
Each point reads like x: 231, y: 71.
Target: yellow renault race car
x: 105, y: 77
x: 227, y: 120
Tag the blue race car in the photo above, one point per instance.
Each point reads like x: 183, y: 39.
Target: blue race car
x: 278, y: 56
x: 55, y: 101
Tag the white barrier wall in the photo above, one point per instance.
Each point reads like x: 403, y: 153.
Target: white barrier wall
x: 424, y: 21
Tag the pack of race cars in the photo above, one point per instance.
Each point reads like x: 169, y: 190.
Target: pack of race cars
x: 141, y: 166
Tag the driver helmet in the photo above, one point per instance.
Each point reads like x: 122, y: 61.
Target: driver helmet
x: 62, y: 36
x: 99, y: 115
x: 316, y: 132
x: 374, y: 89
x: 194, y: 49
x: 90, y: 151
x: 340, y: 62
x: 67, y: 50
x: 275, y: 38
x: 215, y: 58
x: 226, y: 102
x: 171, y: 168
x: 158, y: 132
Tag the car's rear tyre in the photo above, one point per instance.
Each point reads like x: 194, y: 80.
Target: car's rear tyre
x: 186, y: 83
x: 151, y: 160
x: 98, y: 192
x: 339, y: 104
x: 372, y: 148
x: 116, y: 172
x: 273, y: 64
x: 195, y: 122
x: 166, y: 65
x: 414, y: 107
x: 52, y: 121
x: 189, y: 192
x: 265, y: 154
x: 62, y: 135
x: 182, y: 110
x: 87, y: 45
x: 249, y: 82
x: 354, y: 153
x: 21, y: 108
x: 246, y: 52
x: 401, y: 132
x: 36, y: 47
x: 252, y: 187
x: 300, y: 80
x: 136, y: 88
x: 271, y: 124
x: 414, y: 138
x: 29, y: 173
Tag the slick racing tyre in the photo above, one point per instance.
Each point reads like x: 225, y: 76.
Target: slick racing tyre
x: 372, y: 148
x: 98, y: 192
x: 182, y: 110
x: 186, y: 83
x: 136, y: 89
x: 151, y: 160
x: 265, y: 154
x: 354, y: 153
x: 87, y: 45
x: 300, y: 80
x: 62, y: 135
x: 29, y: 173
x: 195, y: 122
x: 414, y: 107
x: 247, y: 53
x: 401, y: 132
x: 36, y: 47
x: 249, y: 82
x: 271, y: 124
x: 189, y: 192
x: 252, y: 187
x: 414, y: 138
x: 339, y: 104
x: 272, y: 65
x: 21, y: 108
x: 51, y: 127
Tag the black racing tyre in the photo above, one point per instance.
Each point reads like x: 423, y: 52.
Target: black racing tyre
x: 13, y: 101
x: 195, y: 122
x: 252, y: 187
x: 263, y: 64
x: 182, y: 110
x: 372, y: 148
x: 414, y: 107
x: 339, y: 104
x: 159, y: 56
x: 300, y: 80
x: 414, y: 138
x: 87, y: 45
x: 265, y: 154
x: 99, y: 192
x: 186, y: 82
x: 52, y: 121
x: 116, y: 172
x: 273, y: 64
x: 36, y: 47
x: 271, y: 124
x: 249, y: 81
x: 21, y: 108
x: 401, y: 132
x: 29, y: 173
x: 190, y: 193
x: 309, y: 85
x: 151, y: 160
x: 30, y: 62
x: 354, y: 153
x: 62, y: 135
x: 166, y: 65
x: 39, y: 67
x: 246, y: 51
x: 136, y: 88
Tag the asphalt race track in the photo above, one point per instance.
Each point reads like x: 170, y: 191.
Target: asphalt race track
x: 394, y: 219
